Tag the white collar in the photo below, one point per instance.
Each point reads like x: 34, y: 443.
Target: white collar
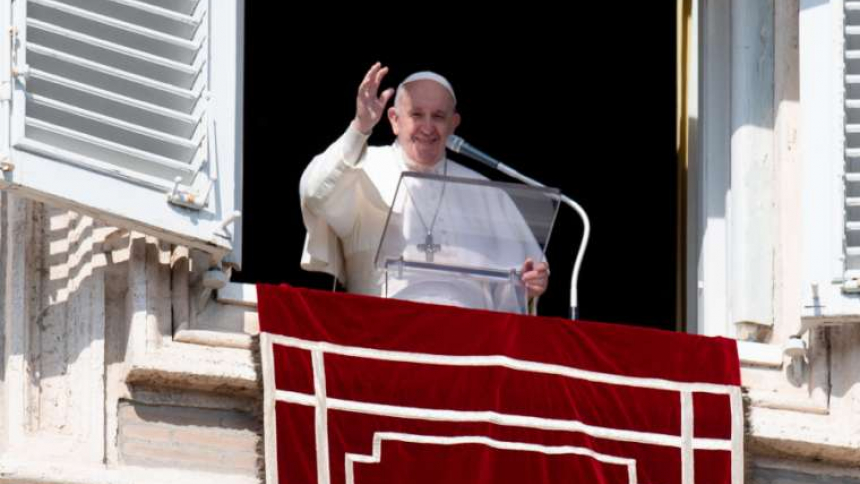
x: 407, y: 164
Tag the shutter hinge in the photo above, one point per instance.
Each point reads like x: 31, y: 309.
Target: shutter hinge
x: 851, y: 286
x: 20, y: 71
x: 185, y: 198
x: 6, y: 165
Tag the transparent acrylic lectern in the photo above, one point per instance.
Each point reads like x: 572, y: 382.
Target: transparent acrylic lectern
x: 463, y: 242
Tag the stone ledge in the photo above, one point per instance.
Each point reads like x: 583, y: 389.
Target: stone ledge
x: 239, y: 294
x: 196, y: 367
x: 795, y: 471
x: 782, y: 434
x: 759, y: 354
x: 216, y: 339
x: 13, y: 470
x: 789, y: 403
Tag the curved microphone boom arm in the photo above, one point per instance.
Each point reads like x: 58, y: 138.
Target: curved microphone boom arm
x: 458, y: 145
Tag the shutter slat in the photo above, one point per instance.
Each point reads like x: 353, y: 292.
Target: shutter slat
x: 115, y: 149
x: 187, y: 7
x: 176, y: 14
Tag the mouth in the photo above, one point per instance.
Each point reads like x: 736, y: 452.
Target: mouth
x: 425, y: 141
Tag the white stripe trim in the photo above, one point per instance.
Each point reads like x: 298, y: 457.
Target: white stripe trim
x: 270, y: 431
x: 688, y: 470
x: 379, y: 437
x: 502, y: 361
x: 297, y: 398
x: 502, y: 419
x: 737, y: 408
x: 321, y: 418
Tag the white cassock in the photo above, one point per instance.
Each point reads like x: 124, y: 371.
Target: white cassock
x: 346, y: 195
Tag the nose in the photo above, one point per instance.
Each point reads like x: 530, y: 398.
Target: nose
x: 426, y: 125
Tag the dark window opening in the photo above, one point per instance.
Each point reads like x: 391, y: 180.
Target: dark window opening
x: 582, y: 100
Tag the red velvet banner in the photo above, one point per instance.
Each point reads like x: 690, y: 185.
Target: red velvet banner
x: 363, y: 390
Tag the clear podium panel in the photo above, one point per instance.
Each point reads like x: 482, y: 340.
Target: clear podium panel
x: 463, y: 241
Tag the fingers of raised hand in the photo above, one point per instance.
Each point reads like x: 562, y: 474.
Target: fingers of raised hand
x: 379, y: 75
x: 369, y: 88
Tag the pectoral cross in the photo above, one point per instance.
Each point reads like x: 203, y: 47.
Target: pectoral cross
x: 429, y: 248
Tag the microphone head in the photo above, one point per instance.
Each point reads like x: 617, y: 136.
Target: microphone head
x: 454, y: 143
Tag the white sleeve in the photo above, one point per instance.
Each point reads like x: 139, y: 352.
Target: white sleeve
x: 327, y: 186
x: 328, y: 193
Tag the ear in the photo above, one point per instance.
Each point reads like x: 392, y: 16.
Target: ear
x: 455, y: 121
x: 392, y: 118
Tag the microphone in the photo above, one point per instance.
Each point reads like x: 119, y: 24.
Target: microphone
x: 458, y: 145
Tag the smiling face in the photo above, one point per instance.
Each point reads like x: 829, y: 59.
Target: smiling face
x: 422, y: 118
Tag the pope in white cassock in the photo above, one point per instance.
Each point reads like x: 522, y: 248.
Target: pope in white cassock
x: 347, y: 191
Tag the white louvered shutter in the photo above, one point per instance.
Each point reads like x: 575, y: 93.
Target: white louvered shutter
x: 130, y: 110
x: 851, y: 118
x: 829, y: 46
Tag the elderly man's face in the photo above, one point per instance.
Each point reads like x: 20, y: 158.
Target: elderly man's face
x: 422, y: 119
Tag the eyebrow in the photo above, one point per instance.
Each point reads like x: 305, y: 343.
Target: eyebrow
x: 435, y: 111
